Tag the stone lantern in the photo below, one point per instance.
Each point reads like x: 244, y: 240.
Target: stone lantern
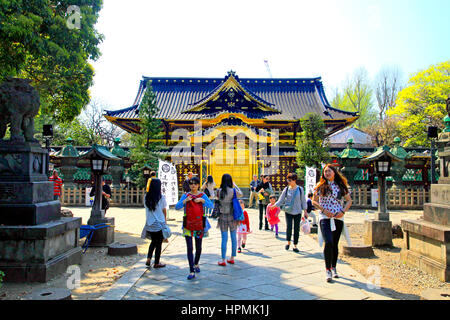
x: 69, y: 158
x: 398, y: 168
x: 99, y: 158
x: 117, y: 168
x: 378, y: 232
x: 350, y: 159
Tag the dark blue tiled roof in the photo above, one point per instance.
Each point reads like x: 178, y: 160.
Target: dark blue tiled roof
x: 292, y: 97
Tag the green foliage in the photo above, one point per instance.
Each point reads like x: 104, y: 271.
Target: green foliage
x: 422, y: 103
x: 357, y: 96
x: 311, y: 146
x: 2, y: 275
x: 148, y: 141
x: 36, y: 43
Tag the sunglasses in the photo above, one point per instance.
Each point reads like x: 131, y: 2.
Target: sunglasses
x: 192, y: 183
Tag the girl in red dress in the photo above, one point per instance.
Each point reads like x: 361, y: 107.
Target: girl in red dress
x: 272, y: 213
x: 243, y: 229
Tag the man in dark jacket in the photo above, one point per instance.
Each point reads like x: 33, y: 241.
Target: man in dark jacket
x: 265, y: 189
x: 106, y: 195
x: 186, y: 187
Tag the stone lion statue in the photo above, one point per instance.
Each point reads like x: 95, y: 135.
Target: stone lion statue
x: 19, y: 104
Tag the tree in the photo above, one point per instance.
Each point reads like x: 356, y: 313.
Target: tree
x: 88, y: 128
x: 38, y: 43
x: 148, y: 141
x: 422, y: 103
x: 356, y: 96
x: 93, y: 119
x: 384, y: 131
x: 311, y: 145
x: 387, y: 87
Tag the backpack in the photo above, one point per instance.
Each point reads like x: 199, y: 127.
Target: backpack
x: 193, y: 220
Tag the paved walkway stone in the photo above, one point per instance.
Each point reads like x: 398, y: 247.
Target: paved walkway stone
x: 264, y: 269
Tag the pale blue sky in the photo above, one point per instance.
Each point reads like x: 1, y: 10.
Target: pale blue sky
x: 207, y: 38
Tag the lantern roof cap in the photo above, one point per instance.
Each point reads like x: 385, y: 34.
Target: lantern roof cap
x: 99, y: 151
x: 382, y: 152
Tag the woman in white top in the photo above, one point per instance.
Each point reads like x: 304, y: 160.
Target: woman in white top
x: 328, y: 193
x: 209, y: 185
x: 155, y: 207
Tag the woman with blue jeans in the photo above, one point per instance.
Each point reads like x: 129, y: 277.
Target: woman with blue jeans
x: 226, y: 221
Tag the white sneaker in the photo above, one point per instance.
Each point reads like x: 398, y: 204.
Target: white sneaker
x: 334, y: 272
x: 329, y: 276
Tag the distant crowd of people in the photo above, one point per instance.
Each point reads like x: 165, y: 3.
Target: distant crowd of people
x: 331, y: 197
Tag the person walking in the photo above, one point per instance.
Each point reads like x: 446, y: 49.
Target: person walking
x: 156, y: 213
x: 186, y: 186
x: 253, y: 194
x: 264, y: 190
x: 152, y: 175
x: 243, y: 228
x: 194, y: 222
x: 310, y: 208
x: 57, y: 185
x: 293, y: 201
x: 226, y: 220
x: 106, y: 194
x: 272, y: 214
x: 208, y: 188
x: 328, y: 193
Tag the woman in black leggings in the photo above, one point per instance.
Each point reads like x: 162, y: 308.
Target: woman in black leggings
x: 155, y: 207
x: 328, y: 193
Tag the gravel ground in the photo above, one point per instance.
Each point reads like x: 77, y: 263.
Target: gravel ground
x: 398, y: 280
x: 99, y: 271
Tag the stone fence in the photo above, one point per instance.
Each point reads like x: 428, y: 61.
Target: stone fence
x: 413, y: 199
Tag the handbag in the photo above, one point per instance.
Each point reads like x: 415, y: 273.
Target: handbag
x: 166, y: 231
x: 208, y: 194
x: 238, y: 213
x: 306, y: 226
x: 216, y: 211
x: 288, y: 207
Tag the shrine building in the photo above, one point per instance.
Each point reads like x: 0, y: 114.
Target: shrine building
x: 240, y: 126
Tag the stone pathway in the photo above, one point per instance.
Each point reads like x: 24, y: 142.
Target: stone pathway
x: 264, y: 270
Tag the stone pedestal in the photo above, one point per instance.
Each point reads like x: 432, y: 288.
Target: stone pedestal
x: 102, y: 237
x: 427, y: 242
x: 36, y: 244
x: 39, y: 253
x: 377, y: 233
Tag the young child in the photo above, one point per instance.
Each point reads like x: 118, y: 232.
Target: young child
x: 243, y: 229
x: 272, y: 213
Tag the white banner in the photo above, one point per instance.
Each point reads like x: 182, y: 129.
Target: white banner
x: 89, y: 199
x: 374, y: 194
x: 310, y: 180
x: 167, y: 173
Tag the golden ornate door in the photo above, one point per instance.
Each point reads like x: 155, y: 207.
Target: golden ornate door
x: 234, y: 162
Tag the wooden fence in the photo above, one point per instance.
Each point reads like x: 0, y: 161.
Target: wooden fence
x: 361, y: 196
x: 119, y: 197
x: 397, y: 198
